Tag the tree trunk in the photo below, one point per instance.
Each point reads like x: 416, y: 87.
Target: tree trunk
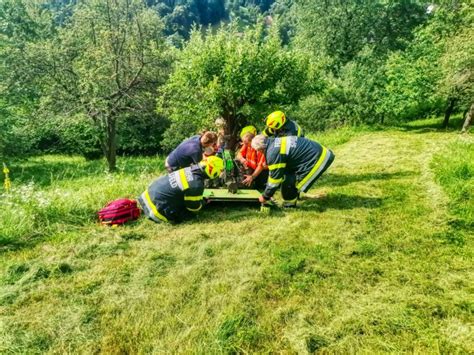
x: 108, y: 138
x: 465, y: 113
x: 468, y: 119
x: 111, y: 144
x: 449, y: 111
x: 231, y: 130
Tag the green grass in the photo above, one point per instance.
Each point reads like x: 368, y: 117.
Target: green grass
x: 454, y: 170
x: 383, y: 263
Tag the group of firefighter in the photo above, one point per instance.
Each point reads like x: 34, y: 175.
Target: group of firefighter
x: 279, y: 156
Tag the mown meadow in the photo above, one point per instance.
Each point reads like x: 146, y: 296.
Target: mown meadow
x: 381, y: 261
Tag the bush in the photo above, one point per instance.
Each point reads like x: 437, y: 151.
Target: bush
x: 78, y: 135
x: 15, y: 138
x: 141, y: 135
x: 353, y: 97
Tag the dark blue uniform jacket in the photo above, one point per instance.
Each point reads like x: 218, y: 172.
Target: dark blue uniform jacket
x: 187, y: 153
x: 294, y: 155
x: 175, y: 196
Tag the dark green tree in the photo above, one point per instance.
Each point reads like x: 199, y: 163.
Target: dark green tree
x: 238, y: 76
x: 103, y: 63
x: 434, y: 73
x: 350, y: 41
x: 341, y: 29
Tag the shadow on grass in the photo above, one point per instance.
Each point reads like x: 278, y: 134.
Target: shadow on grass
x: 234, y: 211
x: 8, y: 244
x: 345, y: 179
x: 231, y: 211
x: 29, y: 240
x: 340, y: 202
x: 455, y: 124
x: 49, y: 222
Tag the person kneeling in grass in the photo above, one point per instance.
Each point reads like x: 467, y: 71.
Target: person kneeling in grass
x: 293, y: 162
x: 255, y: 167
x: 178, y: 195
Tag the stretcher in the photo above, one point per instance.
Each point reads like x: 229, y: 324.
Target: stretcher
x: 228, y: 188
x: 241, y: 195
x: 224, y: 195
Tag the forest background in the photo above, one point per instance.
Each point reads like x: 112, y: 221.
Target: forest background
x: 128, y: 77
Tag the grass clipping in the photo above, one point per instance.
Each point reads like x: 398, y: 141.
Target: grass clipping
x: 373, y: 264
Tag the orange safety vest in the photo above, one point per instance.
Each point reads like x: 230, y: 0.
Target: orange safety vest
x: 253, y: 157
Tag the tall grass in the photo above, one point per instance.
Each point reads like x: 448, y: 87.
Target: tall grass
x: 454, y: 170
x: 368, y: 267
x: 58, y: 193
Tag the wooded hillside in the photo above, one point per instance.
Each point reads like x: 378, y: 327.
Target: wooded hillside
x: 134, y: 77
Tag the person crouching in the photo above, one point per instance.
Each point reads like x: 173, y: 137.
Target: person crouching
x: 295, y: 163
x: 177, y: 196
x: 191, y: 151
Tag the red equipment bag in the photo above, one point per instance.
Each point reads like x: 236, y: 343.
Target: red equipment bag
x: 119, y: 212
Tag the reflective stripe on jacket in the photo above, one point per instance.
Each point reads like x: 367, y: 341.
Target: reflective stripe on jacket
x: 171, y: 197
x: 293, y: 155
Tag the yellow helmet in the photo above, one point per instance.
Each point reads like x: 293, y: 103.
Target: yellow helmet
x: 248, y: 129
x: 213, y: 166
x: 276, y: 120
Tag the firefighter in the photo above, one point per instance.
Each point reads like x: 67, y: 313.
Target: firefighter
x: 191, y: 151
x: 255, y: 167
x: 277, y: 125
x: 295, y: 163
x: 178, y: 195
